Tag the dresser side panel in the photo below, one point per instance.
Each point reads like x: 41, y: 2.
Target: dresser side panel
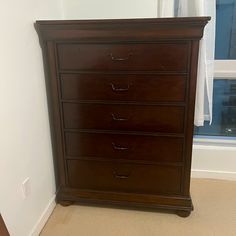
x: 190, y: 115
x: 54, y: 113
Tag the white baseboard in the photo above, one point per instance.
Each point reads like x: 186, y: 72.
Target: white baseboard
x: 209, y: 174
x: 43, y: 218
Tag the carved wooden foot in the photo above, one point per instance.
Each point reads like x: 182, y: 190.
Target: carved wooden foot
x: 183, y: 213
x: 65, y: 203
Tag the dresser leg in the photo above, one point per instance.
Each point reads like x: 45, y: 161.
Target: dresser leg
x: 65, y: 203
x: 183, y: 213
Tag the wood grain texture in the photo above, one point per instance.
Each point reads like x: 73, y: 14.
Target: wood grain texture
x: 53, y: 91
x: 121, y: 95
x: 147, y: 30
x: 132, y: 56
x: 124, y: 87
x: 124, y: 117
x: 3, y: 228
x: 113, y: 146
x: 123, y: 177
x: 190, y: 116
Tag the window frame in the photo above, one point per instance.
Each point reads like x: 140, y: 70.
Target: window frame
x: 223, y: 69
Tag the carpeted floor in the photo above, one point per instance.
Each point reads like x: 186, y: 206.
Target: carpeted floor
x: 214, y: 215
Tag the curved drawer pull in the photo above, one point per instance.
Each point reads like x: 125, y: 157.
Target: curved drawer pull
x: 119, y: 89
x: 115, y: 118
x: 120, y: 176
x: 119, y: 147
x: 120, y: 58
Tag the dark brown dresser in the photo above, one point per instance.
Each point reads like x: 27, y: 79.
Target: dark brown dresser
x: 121, y: 97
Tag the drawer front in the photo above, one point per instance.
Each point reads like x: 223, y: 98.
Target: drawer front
x: 123, y: 146
x: 148, y: 88
x: 120, y: 177
x: 150, y: 56
x: 124, y: 117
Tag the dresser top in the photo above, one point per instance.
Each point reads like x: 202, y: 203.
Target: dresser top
x: 123, y: 29
x: 170, y: 20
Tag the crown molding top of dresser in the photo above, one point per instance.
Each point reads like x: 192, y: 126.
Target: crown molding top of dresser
x: 181, y: 28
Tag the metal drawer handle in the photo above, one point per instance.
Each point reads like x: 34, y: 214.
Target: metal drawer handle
x: 120, y: 58
x: 120, y: 176
x: 119, y: 89
x: 115, y: 118
x: 119, y: 147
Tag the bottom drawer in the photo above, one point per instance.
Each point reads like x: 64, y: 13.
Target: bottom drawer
x: 122, y: 177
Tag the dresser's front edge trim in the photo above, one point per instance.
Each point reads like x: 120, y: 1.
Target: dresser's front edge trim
x: 54, y: 113
x: 156, y: 28
x: 147, y: 201
x: 190, y: 116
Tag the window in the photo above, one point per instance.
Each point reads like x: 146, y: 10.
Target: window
x: 225, y: 29
x: 224, y: 110
x: 224, y: 95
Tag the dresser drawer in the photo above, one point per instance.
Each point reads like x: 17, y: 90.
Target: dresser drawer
x: 169, y: 119
x: 120, y: 177
x: 123, y: 146
x: 129, y: 56
x: 127, y: 87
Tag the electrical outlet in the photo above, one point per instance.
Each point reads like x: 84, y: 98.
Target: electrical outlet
x: 26, y: 189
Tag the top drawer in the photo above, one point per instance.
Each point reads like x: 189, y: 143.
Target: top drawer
x: 142, y: 57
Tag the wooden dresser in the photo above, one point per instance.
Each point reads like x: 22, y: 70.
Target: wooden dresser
x: 121, y: 97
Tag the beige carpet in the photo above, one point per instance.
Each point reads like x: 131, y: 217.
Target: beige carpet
x: 214, y: 215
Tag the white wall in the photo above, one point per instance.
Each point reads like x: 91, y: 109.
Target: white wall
x: 102, y: 9
x: 216, y: 161
x: 25, y: 148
